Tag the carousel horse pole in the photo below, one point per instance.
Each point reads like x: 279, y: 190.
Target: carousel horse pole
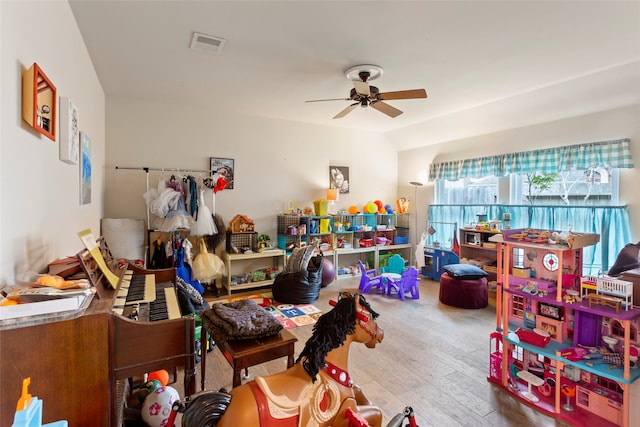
x: 317, y: 390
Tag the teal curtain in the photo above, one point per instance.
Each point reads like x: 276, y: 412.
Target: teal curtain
x: 615, y: 154
x: 611, y: 223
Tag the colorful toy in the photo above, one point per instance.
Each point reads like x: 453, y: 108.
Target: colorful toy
x: 353, y: 209
x: 148, y: 387
x: 371, y: 208
x: 328, y: 272
x: 388, y: 209
x: 161, y: 375
x: 156, y: 408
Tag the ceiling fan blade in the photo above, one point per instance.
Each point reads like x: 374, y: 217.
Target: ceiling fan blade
x: 346, y: 111
x: 386, y: 109
x: 404, y: 94
x: 362, y: 88
x: 332, y: 99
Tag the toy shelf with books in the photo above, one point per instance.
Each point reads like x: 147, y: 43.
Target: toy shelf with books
x: 557, y: 349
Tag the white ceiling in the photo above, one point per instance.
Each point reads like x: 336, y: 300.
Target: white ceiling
x: 278, y: 54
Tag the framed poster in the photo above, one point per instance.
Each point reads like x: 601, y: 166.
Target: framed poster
x: 551, y: 311
x: 225, y: 168
x: 69, y: 131
x: 85, y: 169
x: 339, y: 178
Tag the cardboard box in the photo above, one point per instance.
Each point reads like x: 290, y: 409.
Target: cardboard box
x: 523, y: 273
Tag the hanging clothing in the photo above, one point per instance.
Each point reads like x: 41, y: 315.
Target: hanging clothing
x: 159, y: 258
x: 193, y: 197
x: 204, y: 225
x: 176, y: 219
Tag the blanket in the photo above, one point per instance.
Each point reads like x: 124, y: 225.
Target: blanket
x: 242, y: 319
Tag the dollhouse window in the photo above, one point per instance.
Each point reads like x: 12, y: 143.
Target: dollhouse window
x: 517, y: 353
x: 618, y: 330
x: 517, y: 306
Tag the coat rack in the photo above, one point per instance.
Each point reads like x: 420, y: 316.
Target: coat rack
x: 148, y: 169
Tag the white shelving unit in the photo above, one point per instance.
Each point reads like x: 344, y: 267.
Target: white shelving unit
x: 243, y: 263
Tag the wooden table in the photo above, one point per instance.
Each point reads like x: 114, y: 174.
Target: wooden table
x: 241, y: 354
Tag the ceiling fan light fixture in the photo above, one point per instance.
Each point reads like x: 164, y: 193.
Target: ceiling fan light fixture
x: 353, y: 73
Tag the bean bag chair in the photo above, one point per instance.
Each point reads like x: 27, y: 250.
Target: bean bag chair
x: 301, y: 286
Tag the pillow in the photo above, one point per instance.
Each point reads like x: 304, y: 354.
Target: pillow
x: 299, y: 259
x: 627, y: 260
x: 465, y: 271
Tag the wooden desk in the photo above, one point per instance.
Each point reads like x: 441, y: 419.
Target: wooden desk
x: 241, y: 354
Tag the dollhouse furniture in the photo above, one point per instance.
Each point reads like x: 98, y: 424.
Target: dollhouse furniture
x: 601, y: 388
x: 369, y: 279
x: 407, y: 283
x: 531, y: 380
x: 464, y: 286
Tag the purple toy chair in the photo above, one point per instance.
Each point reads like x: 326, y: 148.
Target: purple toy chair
x: 408, y: 282
x: 369, y: 279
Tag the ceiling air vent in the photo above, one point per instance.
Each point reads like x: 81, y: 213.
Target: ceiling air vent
x: 206, y: 43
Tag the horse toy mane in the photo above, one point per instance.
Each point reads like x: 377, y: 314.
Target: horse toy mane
x: 330, y: 331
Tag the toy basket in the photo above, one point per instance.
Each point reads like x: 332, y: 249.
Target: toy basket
x: 531, y: 337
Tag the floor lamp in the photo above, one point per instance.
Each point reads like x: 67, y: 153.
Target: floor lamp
x: 415, y: 184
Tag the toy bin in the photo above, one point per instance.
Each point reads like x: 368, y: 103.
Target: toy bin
x: 320, y: 207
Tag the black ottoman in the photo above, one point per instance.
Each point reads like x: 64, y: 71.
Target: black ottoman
x: 463, y: 293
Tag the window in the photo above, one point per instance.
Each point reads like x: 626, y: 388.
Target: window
x: 467, y: 191
x: 617, y: 330
x: 594, y: 186
x: 591, y: 187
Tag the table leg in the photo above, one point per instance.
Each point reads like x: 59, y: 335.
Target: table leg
x: 236, y: 377
x: 203, y: 356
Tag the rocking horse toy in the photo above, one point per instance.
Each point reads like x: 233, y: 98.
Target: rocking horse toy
x: 316, y: 392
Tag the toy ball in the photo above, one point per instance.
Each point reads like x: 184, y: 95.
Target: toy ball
x: 161, y: 375
x: 156, y: 408
x: 378, y: 203
x: 148, y: 387
x: 353, y: 209
x: 388, y: 208
x: 372, y: 208
x: 328, y: 273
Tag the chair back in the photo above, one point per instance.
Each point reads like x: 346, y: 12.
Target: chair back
x: 395, y: 264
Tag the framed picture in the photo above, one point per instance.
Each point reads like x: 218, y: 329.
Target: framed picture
x: 85, y: 169
x: 69, y: 131
x: 225, y: 168
x: 553, y: 327
x: 550, y: 311
x: 339, y: 178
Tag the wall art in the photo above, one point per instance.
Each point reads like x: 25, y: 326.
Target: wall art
x: 69, y: 131
x: 339, y: 178
x: 39, y: 101
x: 225, y: 168
x: 85, y: 169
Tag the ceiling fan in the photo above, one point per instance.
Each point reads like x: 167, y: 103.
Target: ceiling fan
x: 366, y: 95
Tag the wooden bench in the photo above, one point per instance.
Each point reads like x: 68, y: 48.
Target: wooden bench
x: 605, y: 300
x: 241, y: 354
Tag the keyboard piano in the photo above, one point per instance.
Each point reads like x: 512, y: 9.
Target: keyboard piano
x: 146, y: 329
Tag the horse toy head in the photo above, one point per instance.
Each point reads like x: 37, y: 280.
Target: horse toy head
x: 351, y: 319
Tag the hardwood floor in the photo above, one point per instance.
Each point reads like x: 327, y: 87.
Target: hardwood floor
x: 434, y: 358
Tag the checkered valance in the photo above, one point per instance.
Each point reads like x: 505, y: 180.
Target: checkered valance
x: 613, y: 154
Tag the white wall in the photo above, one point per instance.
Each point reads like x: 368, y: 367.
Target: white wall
x: 40, y: 212
x: 606, y: 125
x: 275, y: 161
